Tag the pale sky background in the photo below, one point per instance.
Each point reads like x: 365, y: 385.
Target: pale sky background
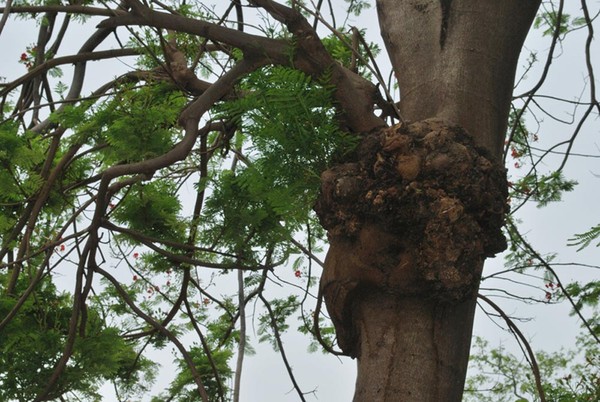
x: 548, y: 229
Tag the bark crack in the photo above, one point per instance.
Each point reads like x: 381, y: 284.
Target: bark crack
x: 445, y: 5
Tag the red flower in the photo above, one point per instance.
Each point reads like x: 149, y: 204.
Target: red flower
x: 514, y: 153
x: 135, y: 278
x: 136, y: 255
x: 62, y: 247
x: 548, y: 296
x: 517, y: 165
x: 298, y: 274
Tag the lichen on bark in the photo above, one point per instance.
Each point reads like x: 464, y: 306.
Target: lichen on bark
x: 413, y: 212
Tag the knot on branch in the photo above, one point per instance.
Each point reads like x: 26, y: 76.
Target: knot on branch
x: 414, y: 213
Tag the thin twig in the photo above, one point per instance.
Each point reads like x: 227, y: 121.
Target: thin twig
x: 521, y: 338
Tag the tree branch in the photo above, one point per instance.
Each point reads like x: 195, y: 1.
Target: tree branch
x: 532, y: 360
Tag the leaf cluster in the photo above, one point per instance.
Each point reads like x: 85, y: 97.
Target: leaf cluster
x: 287, y: 135
x: 32, y: 343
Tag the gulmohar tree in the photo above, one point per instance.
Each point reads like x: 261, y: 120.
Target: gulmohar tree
x: 211, y: 153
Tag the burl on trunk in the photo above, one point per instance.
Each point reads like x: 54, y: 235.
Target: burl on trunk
x: 411, y: 216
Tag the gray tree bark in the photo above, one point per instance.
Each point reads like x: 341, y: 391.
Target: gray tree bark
x: 456, y: 60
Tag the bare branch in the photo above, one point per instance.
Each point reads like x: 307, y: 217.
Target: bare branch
x: 532, y: 360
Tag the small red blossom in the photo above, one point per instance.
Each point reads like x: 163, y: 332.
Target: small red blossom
x: 517, y: 165
x: 24, y: 57
x: 135, y: 278
x: 298, y: 274
x: 514, y: 153
x: 62, y: 247
x: 136, y: 255
x: 548, y: 296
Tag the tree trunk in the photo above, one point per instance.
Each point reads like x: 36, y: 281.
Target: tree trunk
x: 456, y: 60
x: 412, y: 215
x: 412, y: 349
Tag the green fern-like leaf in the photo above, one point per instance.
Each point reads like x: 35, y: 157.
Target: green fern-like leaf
x: 585, y: 239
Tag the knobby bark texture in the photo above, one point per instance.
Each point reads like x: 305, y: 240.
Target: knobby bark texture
x: 414, y: 212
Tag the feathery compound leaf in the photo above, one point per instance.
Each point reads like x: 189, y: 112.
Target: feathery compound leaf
x: 584, y: 239
x: 288, y: 122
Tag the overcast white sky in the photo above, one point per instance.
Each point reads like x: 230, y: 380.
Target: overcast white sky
x: 264, y: 377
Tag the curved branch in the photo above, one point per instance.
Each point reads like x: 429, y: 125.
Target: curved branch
x: 68, y: 9
x: 206, y: 348
x: 355, y: 95
x: 5, y: 13
x: 275, y: 50
x: 160, y: 328
x: 73, y: 59
x: 591, y: 77
x: 242, y: 343
x: 547, y: 266
x: 532, y: 360
x: 78, y: 75
x: 280, y: 346
x: 74, y: 323
x: 529, y: 94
